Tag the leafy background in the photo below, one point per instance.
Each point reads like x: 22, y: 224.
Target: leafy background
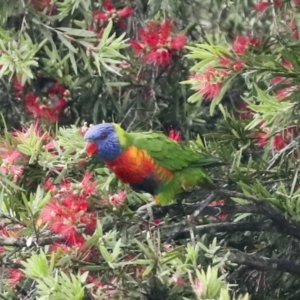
x: 228, y: 87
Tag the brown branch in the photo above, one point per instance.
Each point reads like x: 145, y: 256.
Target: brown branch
x: 23, y: 242
x: 264, y: 263
x: 283, y: 225
x: 177, y: 210
x: 219, y: 227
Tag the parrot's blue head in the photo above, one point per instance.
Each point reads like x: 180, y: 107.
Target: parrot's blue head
x: 103, y: 140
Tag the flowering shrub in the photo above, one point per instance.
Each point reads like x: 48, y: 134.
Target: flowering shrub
x: 224, y: 76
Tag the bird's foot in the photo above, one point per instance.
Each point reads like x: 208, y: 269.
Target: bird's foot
x: 145, y: 212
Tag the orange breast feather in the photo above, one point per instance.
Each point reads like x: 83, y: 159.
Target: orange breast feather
x: 134, y: 165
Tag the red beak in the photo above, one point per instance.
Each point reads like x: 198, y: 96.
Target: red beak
x: 91, y: 148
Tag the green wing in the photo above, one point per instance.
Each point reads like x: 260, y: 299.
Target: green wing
x: 168, y: 153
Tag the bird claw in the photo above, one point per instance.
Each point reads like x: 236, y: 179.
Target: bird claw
x: 146, y: 212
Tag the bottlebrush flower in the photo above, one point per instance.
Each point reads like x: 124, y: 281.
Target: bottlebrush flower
x: 49, y: 108
x: 283, y: 93
x: 18, y: 87
x: 112, y: 13
x: 225, y: 61
x: 209, y: 83
x: 35, y: 131
x: 87, y: 186
x: 238, y: 66
x: 49, y: 185
x: 67, y: 210
x: 231, y: 64
x: 261, y: 6
x: 287, y: 64
x: 243, y: 111
x: 117, y: 199
x: 159, y: 57
x: 12, y: 162
x: 175, y: 135
x: 14, y: 277
x: 41, y: 5
x: 241, y: 43
x: 292, y: 25
x: 156, y: 45
x: 278, y: 79
x: 279, y: 140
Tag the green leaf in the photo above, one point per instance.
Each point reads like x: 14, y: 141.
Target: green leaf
x: 106, y: 255
x: 67, y: 43
x: 77, y: 32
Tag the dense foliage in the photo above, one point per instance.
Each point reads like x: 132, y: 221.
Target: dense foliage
x: 222, y: 76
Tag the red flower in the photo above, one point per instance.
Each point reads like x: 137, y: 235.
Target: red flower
x: 285, y: 92
x: 156, y: 222
x: 174, y: 135
x: 160, y: 57
x: 12, y: 162
x: 117, y: 199
x: 219, y: 203
x: 238, y: 66
x: 67, y: 210
x: 243, y: 111
x: 225, y: 61
x: 279, y: 140
x: 156, y: 45
x: 125, y: 12
x: 49, y: 108
x: 287, y: 64
x: 18, y: 87
x: 112, y: 13
x: 241, y: 43
x: 41, y: 5
x: 87, y: 185
x: 178, y: 42
x: 14, y: 277
x: 294, y: 28
x: 277, y: 80
x: 209, y: 83
x: 136, y: 46
x: 230, y: 64
x: 49, y: 185
x: 65, y: 249
x: 261, y: 6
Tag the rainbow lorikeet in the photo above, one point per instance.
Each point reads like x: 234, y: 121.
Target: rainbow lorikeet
x: 148, y: 161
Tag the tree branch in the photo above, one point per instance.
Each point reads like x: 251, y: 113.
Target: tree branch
x: 219, y: 227
x: 23, y: 242
x: 282, y: 224
x: 178, y: 210
x: 264, y: 263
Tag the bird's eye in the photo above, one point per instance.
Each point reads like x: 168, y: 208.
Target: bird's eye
x: 103, y: 136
